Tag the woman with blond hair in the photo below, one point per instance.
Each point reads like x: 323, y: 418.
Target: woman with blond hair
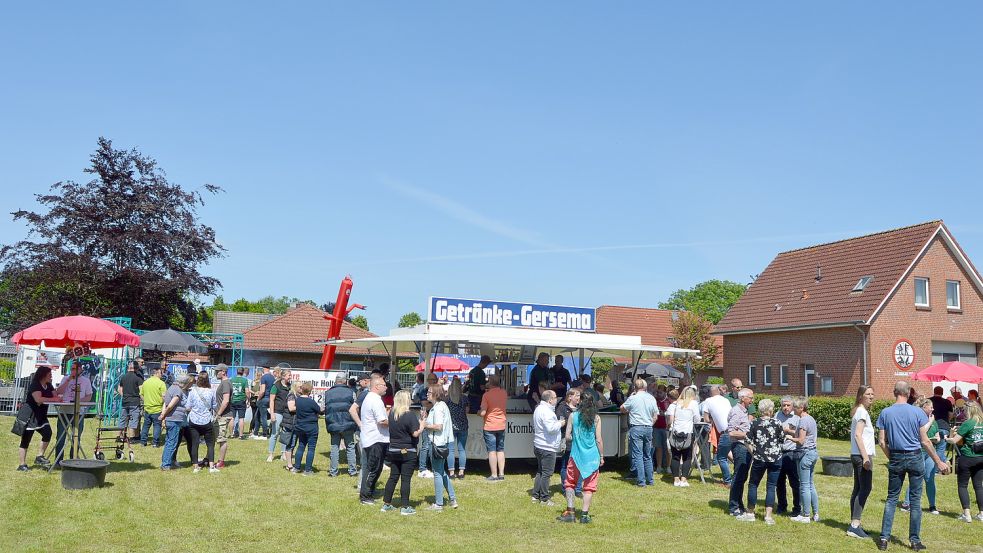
x: 680, y: 417
x: 862, y: 457
x: 405, y: 426
x: 765, y: 438
x: 306, y: 412
x: 457, y: 403
x: 969, y: 466
x: 441, y: 436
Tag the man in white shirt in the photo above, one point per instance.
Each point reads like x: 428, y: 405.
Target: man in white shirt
x: 67, y: 390
x: 716, y: 409
x: 546, y: 444
x: 374, y: 438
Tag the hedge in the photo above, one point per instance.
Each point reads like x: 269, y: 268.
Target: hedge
x: 832, y: 414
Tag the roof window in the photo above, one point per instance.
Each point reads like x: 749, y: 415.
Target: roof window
x: 862, y: 283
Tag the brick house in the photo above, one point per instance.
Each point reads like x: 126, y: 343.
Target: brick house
x: 291, y: 338
x: 655, y: 328
x: 873, y: 309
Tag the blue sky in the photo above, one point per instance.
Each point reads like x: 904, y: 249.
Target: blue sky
x: 570, y: 153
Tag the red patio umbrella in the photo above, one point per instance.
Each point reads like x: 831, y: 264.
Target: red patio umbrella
x: 953, y: 371
x: 446, y: 365
x: 65, y: 331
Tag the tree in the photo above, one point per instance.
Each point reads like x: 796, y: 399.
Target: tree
x: 361, y: 322
x: 690, y: 331
x: 128, y: 242
x: 268, y: 304
x: 410, y: 319
x: 711, y: 299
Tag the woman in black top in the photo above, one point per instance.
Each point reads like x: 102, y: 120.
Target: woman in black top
x: 405, y: 426
x: 306, y: 412
x: 39, y: 394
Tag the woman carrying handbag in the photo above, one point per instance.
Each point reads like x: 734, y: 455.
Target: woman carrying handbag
x: 441, y: 434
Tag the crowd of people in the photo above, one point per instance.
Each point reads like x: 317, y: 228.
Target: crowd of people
x: 423, y: 431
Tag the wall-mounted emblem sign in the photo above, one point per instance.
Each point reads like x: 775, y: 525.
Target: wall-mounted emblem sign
x: 904, y: 354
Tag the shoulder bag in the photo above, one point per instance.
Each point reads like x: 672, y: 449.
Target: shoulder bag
x: 22, y: 419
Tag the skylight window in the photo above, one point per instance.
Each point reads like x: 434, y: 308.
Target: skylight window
x: 862, y: 283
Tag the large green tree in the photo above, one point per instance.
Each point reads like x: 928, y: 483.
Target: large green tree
x: 126, y: 243
x: 361, y: 322
x: 410, y: 319
x: 711, y: 299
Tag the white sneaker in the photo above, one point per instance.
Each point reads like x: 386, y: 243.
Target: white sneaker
x: 746, y: 517
x: 197, y: 469
x: 269, y: 459
x: 965, y: 518
x: 684, y: 484
x: 802, y: 519
x: 815, y: 517
x: 677, y: 484
x: 214, y: 470
x: 979, y: 516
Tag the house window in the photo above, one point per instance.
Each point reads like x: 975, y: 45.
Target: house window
x: 783, y: 375
x: 766, y: 375
x: 921, y: 292
x: 862, y: 283
x: 750, y: 375
x: 952, y: 294
x: 826, y: 385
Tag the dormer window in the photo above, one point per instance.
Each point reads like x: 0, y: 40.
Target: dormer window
x: 862, y: 283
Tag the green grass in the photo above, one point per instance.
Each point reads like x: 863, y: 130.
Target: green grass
x: 255, y: 504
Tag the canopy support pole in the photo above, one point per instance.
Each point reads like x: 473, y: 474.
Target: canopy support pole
x: 580, y: 367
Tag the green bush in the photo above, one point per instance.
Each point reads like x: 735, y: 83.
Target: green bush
x: 832, y: 414
x: 715, y: 380
x: 7, y: 368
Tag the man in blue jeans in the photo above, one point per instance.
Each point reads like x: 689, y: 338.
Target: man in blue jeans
x: 738, y: 425
x: 903, y: 437
x: 642, y: 409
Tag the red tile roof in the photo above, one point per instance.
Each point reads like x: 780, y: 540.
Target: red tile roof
x: 788, y: 295
x: 297, y: 330
x: 653, y: 325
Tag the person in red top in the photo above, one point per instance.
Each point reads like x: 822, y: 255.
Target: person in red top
x: 660, y: 435
x: 493, y: 405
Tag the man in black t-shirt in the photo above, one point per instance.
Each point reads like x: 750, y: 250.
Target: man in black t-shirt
x: 942, y: 409
x: 560, y: 377
x: 477, y: 380
x: 129, y: 389
x: 539, y: 373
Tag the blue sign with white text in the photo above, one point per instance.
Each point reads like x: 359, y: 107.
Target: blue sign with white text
x: 511, y: 314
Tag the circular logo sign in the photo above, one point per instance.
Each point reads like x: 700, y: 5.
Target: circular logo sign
x: 904, y: 354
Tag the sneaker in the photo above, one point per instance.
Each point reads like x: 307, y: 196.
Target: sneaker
x: 917, y: 546
x: 677, y: 484
x: 802, y: 519
x: 23, y: 468
x: 197, y: 469
x: 962, y: 518
x: 257, y: 437
x: 220, y: 465
x: 979, y: 516
x: 567, y: 516
x: 815, y: 517
x: 435, y: 507
x: 585, y: 518
x: 491, y: 479
x: 41, y: 461
x: 308, y: 473
x: 387, y: 508
x: 934, y: 510
x: 882, y: 544
x: 684, y: 484
x: 460, y: 476
x: 269, y: 459
x: 857, y: 532
x: 548, y: 503
x: 214, y: 470
x: 746, y: 517
x: 535, y: 500
x: 454, y: 504
x: 500, y: 478
x: 769, y: 521
x: 905, y: 507
x: 165, y: 468
x: 406, y: 511
x: 367, y: 502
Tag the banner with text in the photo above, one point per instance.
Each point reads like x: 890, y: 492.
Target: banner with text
x: 511, y: 314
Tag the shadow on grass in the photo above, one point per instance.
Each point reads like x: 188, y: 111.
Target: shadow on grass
x: 123, y: 466
x: 719, y: 504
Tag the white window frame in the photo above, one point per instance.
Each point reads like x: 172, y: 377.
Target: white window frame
x: 766, y: 374
x: 862, y: 283
x: 928, y: 295
x: 958, y: 294
x: 822, y: 384
x: 783, y: 375
x: 750, y: 375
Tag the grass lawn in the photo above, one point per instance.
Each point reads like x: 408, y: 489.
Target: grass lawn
x: 255, y: 504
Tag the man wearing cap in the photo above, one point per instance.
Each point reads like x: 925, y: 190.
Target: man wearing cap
x: 477, y: 381
x: 223, y: 415
x: 338, y: 421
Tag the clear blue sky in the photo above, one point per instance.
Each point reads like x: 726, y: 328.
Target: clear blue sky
x: 570, y: 153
